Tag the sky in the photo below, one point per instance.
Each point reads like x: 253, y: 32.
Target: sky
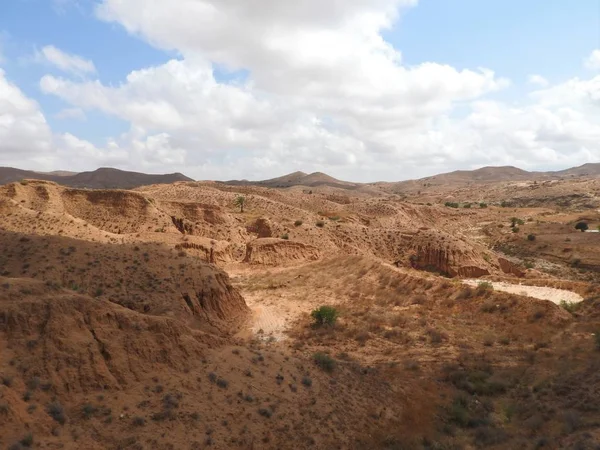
x: 364, y: 90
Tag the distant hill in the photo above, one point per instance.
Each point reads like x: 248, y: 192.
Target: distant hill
x: 485, y: 174
x: 103, y: 178
x: 108, y: 178
x: 298, y: 179
x: 591, y: 170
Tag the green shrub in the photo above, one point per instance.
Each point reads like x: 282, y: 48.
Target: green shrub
x: 483, y: 205
x: 485, y: 286
x: 569, y: 306
x: 88, y: 410
x: 516, y: 221
x: 515, y: 229
x: 459, y: 411
x: 57, y: 412
x: 27, y: 440
x: 324, y: 361
x: 531, y: 237
x: 467, y: 206
x: 297, y: 223
x: 451, y: 204
x: 139, y: 421
x: 320, y: 223
x: 285, y: 236
x: 265, y: 412
x: 582, y: 226
x: 325, y: 315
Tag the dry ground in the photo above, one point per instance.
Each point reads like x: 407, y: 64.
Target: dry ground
x: 140, y: 320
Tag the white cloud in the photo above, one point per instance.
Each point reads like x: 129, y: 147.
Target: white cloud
x: 66, y: 62
x: 23, y: 128
x: 324, y: 91
x: 538, y: 80
x: 592, y: 62
x: 71, y: 113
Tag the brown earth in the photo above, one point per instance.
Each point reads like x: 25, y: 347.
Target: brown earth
x: 164, y: 317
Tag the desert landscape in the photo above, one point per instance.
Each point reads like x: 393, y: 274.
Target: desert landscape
x: 457, y: 311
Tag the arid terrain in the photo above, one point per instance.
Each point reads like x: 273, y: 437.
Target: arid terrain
x: 178, y: 315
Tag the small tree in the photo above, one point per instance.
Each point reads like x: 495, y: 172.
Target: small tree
x: 582, y: 226
x: 240, y: 201
x: 325, y: 315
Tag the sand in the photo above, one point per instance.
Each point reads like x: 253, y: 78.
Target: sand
x: 541, y: 293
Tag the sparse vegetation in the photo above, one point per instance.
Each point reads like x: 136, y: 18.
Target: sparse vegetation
x: 523, y: 372
x: 265, y: 412
x: 320, y: 223
x: 516, y: 221
x: 138, y: 421
x: 27, y: 440
x: 57, y: 412
x: 485, y: 286
x: 324, y: 361
x: 569, y: 306
x: 307, y: 381
x: 285, y: 236
x: 325, y: 315
x: 240, y: 202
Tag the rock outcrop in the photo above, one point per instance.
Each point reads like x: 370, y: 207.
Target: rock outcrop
x: 510, y: 268
x: 438, y: 252
x: 275, y: 252
x: 264, y: 228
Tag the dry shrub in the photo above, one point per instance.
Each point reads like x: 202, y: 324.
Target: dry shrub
x: 362, y: 337
x: 419, y: 299
x: 398, y: 320
x: 464, y: 294
x: 437, y: 337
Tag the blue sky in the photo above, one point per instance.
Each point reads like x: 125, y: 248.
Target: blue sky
x: 513, y: 38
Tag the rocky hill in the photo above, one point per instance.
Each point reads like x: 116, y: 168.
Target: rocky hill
x: 103, y: 178
x: 298, y: 179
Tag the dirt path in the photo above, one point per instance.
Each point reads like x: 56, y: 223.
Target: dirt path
x: 542, y: 293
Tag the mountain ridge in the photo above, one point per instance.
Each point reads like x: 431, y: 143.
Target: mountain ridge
x: 111, y: 178
x: 101, y: 178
